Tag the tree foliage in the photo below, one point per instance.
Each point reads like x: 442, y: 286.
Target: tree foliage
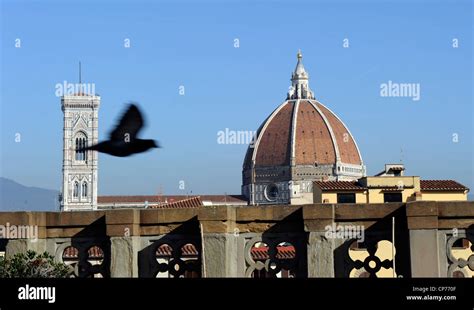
x: 33, y: 265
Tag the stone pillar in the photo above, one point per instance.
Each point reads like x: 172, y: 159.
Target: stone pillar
x: 320, y: 249
x: 320, y: 256
x: 123, y: 227
x: 424, y: 241
x: 422, y: 217
x: 124, y: 262
x: 16, y: 246
x: 219, y: 242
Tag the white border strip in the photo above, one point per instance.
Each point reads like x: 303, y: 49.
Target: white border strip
x: 262, y: 132
x: 348, y: 131
x: 293, y: 132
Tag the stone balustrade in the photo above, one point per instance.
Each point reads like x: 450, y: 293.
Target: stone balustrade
x: 432, y: 239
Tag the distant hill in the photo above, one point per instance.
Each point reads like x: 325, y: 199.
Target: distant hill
x: 17, y: 197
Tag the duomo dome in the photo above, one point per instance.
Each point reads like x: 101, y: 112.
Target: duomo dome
x: 301, y: 141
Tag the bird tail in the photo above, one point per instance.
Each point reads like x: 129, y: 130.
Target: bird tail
x: 89, y: 148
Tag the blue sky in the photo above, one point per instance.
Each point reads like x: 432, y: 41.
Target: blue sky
x: 191, y: 43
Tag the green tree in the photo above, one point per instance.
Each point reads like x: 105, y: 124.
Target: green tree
x: 33, y: 265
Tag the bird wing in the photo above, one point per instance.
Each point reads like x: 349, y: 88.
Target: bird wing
x: 129, y: 125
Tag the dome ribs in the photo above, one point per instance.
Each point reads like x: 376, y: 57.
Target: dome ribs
x: 347, y: 148
x: 313, y: 140
x: 314, y: 143
x: 275, y: 143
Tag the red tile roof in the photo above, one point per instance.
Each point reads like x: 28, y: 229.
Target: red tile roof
x: 186, y: 250
x: 72, y: 253
x: 193, y: 202
x: 340, y: 185
x: 426, y: 185
x: 224, y: 198
x: 169, y: 198
x: 257, y: 253
x: 260, y: 253
x: 283, y: 252
x: 441, y: 185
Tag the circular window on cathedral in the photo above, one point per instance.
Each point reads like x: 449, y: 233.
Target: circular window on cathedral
x: 271, y: 192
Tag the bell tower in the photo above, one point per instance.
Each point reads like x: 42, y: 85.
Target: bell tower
x: 80, y: 129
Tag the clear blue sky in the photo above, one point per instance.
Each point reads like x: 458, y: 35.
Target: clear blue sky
x: 191, y: 43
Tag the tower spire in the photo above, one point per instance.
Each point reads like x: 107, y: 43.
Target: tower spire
x: 299, y: 88
x: 80, y: 73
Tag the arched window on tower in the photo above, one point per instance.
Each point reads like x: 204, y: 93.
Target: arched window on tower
x: 81, y: 142
x: 84, y: 189
x: 76, y: 147
x: 75, y: 190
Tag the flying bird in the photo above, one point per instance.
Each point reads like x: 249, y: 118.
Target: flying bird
x: 123, y: 139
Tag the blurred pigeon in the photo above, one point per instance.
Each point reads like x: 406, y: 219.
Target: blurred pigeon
x: 123, y: 139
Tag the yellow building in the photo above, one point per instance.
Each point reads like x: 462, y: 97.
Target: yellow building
x: 391, y: 185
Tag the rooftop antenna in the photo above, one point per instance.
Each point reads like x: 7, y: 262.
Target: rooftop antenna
x: 80, y: 73
x: 401, y: 155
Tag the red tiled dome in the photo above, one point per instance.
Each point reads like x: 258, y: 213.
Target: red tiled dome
x: 302, y: 141
x: 305, y: 130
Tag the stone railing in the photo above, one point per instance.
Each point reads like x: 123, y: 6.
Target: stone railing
x: 432, y: 239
